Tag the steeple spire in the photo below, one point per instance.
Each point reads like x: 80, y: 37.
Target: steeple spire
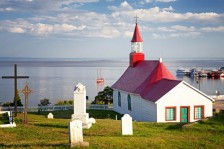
x: 136, y: 36
x: 136, y: 46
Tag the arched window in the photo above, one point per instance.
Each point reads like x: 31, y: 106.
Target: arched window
x: 129, y: 102
x: 119, y: 99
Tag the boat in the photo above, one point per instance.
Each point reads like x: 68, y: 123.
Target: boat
x: 214, y: 74
x: 194, y: 73
x: 222, y: 75
x: 182, y: 71
x: 222, y: 69
x: 99, y: 79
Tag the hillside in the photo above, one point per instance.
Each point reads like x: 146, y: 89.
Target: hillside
x: 106, y: 133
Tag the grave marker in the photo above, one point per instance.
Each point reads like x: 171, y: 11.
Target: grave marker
x: 76, y: 134
x: 26, y: 91
x: 50, y: 116
x: 126, y: 125
x: 80, y: 106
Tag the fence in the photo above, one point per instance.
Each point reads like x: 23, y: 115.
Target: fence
x: 55, y: 108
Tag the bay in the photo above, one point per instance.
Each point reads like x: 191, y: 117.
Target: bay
x: 55, y: 79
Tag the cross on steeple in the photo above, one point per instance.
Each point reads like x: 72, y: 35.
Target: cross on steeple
x: 15, y: 77
x: 136, y: 17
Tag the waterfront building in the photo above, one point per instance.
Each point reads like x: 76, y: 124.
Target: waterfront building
x: 147, y: 91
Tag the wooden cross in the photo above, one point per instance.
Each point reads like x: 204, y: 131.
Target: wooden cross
x: 15, y: 77
x: 26, y: 91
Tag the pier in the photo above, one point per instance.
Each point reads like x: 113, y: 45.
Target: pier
x: 199, y: 72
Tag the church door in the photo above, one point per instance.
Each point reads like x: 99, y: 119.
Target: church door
x: 184, y: 114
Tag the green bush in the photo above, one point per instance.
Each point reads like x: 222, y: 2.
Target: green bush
x: 64, y: 102
x: 4, y: 118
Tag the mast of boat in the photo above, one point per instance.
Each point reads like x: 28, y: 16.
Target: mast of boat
x: 99, y: 79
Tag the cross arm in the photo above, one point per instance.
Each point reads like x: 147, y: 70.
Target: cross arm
x: 11, y: 77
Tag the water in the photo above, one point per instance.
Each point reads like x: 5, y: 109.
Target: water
x: 55, y: 79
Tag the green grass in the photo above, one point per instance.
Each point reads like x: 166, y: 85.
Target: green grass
x: 4, y: 118
x: 106, y: 133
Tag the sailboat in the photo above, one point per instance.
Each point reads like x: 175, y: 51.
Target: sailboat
x: 99, y: 79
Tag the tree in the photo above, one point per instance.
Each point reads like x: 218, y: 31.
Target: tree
x: 44, y: 102
x: 104, y: 97
x: 19, y: 102
x: 64, y: 102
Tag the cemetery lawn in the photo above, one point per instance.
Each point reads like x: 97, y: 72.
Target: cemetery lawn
x: 106, y: 133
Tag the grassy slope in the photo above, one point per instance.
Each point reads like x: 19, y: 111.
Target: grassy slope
x: 106, y: 133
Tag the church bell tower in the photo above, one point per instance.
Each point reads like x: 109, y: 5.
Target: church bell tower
x: 136, y: 47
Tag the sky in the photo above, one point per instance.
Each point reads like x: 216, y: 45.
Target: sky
x: 102, y: 29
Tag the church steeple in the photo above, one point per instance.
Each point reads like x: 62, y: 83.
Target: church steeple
x: 136, y: 36
x: 136, y: 47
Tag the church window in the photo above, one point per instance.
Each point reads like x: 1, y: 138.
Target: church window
x: 119, y: 99
x: 129, y: 102
x: 198, y: 112
x: 170, y: 113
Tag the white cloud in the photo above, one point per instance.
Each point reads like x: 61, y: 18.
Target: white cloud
x: 120, y: 23
x: 158, y: 36
x: 7, y: 9
x: 16, y: 30
x: 186, y: 34
x: 213, y: 29
x: 170, y: 8
x: 166, y: 29
x: 145, y: 2
x: 183, y: 28
x: 124, y: 6
x: 40, y: 6
x: 165, y: 1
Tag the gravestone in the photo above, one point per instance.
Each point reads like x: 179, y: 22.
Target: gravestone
x: 76, y: 134
x: 50, y: 116
x: 80, y: 106
x: 126, y: 125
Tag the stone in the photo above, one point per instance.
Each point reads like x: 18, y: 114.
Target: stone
x: 76, y: 134
x: 11, y: 124
x: 126, y: 125
x: 92, y: 120
x: 80, y: 106
x: 50, y: 116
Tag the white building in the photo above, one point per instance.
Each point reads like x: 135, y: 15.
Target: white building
x: 147, y: 91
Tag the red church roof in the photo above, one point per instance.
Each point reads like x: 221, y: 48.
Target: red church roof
x: 150, y: 79
x: 136, y: 36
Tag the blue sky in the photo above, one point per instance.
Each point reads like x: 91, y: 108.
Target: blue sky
x: 103, y: 28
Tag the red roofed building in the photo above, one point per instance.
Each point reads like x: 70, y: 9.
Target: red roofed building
x: 149, y: 92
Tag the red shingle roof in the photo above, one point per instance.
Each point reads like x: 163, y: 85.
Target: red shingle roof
x: 150, y: 79
x: 136, y: 36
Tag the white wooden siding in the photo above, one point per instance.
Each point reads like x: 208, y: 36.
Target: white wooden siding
x: 142, y: 110
x: 183, y: 95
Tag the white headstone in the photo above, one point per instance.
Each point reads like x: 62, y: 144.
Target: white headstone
x: 80, y: 106
x: 75, y: 132
x: 80, y: 99
x: 50, y: 116
x: 126, y: 125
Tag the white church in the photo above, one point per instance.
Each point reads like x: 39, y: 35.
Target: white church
x: 147, y: 91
